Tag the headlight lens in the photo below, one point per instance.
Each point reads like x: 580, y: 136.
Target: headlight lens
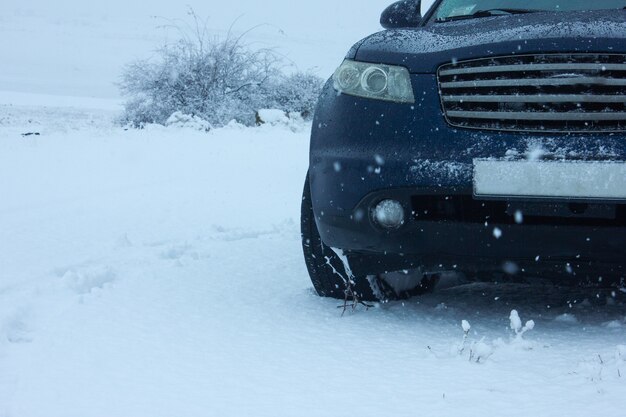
x: 347, y: 77
x: 382, y: 82
x: 374, y: 80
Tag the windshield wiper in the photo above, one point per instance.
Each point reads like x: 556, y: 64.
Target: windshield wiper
x: 487, y: 13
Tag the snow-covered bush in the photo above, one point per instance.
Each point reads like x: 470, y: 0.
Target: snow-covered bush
x: 466, y: 329
x: 214, y: 79
x: 271, y: 117
x: 180, y: 119
x: 298, y: 93
x: 516, y: 325
x: 275, y: 117
x: 479, y: 350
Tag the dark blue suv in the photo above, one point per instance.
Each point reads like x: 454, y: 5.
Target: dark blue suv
x: 486, y: 137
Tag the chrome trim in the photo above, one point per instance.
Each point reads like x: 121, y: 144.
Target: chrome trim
x: 534, y: 67
x: 571, y: 93
x: 510, y: 115
x: 547, y: 98
x: 536, y: 82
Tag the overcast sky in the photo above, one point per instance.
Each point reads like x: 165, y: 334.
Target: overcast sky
x: 74, y: 47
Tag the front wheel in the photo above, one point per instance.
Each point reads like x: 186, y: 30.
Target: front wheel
x: 329, y: 275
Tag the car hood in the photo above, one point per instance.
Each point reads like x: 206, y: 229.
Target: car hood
x: 424, y: 49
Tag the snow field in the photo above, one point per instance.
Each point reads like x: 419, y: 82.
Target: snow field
x: 158, y: 272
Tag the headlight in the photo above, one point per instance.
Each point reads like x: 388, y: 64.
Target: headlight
x: 382, y: 82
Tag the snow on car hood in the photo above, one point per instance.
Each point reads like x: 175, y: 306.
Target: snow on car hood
x: 422, y: 50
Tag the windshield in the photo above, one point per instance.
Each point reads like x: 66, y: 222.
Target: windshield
x: 449, y: 9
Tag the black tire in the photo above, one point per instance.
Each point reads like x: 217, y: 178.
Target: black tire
x: 323, y: 264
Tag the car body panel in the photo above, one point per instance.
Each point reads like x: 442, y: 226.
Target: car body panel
x: 424, y: 49
x: 364, y: 150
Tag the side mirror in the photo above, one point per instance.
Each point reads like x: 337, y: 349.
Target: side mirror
x: 402, y: 14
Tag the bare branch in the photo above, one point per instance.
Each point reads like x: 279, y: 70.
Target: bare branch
x: 216, y: 79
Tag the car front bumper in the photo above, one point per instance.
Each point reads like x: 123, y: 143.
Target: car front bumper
x: 363, y: 151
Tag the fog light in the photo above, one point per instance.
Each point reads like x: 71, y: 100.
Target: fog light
x: 389, y: 214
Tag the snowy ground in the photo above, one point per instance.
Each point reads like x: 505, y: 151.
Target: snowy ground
x: 158, y: 273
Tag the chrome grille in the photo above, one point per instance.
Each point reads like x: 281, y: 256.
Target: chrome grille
x: 548, y: 93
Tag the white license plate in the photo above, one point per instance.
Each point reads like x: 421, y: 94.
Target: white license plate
x: 558, y: 179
